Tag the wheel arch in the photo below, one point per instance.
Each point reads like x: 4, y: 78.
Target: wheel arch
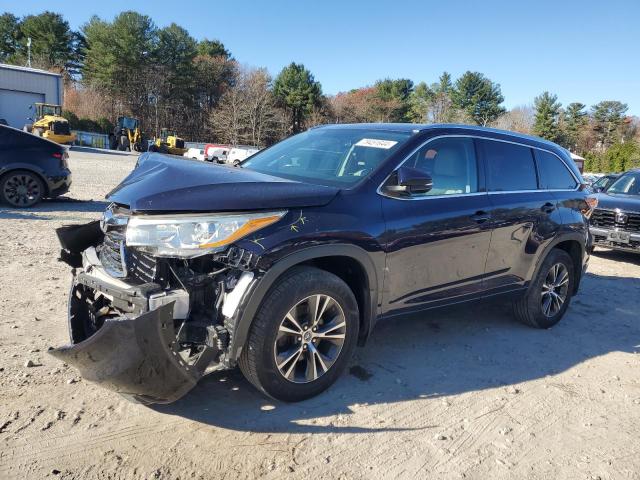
x: 574, y: 245
x: 349, y: 262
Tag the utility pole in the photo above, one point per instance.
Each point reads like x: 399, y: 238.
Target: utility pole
x: 29, y: 52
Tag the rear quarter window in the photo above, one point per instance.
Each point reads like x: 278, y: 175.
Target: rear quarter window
x: 11, y: 138
x: 510, y: 167
x: 554, y: 174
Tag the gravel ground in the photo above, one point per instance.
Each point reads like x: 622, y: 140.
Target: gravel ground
x: 459, y: 393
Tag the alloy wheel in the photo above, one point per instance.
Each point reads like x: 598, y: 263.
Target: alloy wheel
x: 310, y: 338
x: 555, y: 290
x: 22, y: 190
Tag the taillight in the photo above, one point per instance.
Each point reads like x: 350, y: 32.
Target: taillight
x: 62, y: 156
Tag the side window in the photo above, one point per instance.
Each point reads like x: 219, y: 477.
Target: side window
x: 10, y: 138
x: 451, y: 162
x: 510, y: 167
x: 554, y: 174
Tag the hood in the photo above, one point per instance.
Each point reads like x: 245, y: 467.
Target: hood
x: 628, y: 203
x: 161, y: 183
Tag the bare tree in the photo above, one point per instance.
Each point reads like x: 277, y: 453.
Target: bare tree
x: 519, y: 119
x: 247, y: 112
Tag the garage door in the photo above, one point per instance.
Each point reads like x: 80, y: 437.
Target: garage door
x: 14, y: 106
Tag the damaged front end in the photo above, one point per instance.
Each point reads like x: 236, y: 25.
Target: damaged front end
x: 144, y: 326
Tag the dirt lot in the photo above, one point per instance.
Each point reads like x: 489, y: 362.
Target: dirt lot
x: 463, y: 393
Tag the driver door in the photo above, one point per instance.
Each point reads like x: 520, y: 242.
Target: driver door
x: 437, y: 242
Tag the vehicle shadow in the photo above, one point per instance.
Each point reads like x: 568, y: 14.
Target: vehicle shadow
x: 54, y: 205
x: 617, y: 255
x: 433, y: 354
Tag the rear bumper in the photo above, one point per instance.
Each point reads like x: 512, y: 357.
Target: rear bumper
x: 59, y: 184
x: 600, y: 240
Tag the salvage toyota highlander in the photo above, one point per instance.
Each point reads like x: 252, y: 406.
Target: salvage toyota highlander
x: 283, y: 264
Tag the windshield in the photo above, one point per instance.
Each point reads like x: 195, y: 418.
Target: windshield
x: 604, y: 182
x: 628, y: 184
x: 328, y: 156
x: 129, y: 123
x: 51, y: 110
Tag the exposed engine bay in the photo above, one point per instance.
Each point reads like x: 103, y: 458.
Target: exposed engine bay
x: 149, y: 327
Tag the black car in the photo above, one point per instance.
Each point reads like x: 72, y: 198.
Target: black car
x: 615, y: 223
x: 31, y: 168
x: 283, y: 265
x: 604, y: 182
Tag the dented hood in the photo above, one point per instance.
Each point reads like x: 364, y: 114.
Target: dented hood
x: 161, y: 183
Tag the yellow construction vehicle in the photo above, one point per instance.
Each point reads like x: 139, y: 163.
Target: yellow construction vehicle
x: 128, y: 136
x: 168, y: 142
x: 49, y: 123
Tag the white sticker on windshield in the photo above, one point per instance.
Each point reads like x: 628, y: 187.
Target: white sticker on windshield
x: 375, y: 143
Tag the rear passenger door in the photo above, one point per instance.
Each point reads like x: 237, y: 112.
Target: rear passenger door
x: 524, y: 216
x: 556, y: 177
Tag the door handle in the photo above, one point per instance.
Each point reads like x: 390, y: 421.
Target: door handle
x: 480, y: 216
x: 548, y: 207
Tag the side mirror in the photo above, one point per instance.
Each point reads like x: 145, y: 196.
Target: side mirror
x: 412, y: 181
x: 598, y: 189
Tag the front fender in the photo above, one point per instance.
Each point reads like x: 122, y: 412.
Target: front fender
x: 252, y: 300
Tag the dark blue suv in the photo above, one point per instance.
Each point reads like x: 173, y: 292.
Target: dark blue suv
x: 284, y: 264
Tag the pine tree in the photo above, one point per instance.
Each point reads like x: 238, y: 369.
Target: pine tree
x: 298, y: 92
x: 607, y: 118
x: 547, y: 116
x: 575, y: 120
x: 478, y: 97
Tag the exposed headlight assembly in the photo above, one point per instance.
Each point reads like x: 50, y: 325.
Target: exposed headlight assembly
x: 188, y: 236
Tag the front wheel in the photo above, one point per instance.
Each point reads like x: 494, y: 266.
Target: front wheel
x: 549, y: 294
x: 303, y: 335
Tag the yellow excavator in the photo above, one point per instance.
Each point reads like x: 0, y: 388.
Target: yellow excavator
x: 168, y: 142
x: 49, y: 123
x: 127, y: 135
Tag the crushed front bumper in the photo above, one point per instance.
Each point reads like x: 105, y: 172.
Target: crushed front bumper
x: 135, y: 354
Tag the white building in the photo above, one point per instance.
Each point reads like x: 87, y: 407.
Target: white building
x: 21, y: 87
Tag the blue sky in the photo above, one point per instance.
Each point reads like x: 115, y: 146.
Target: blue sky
x: 581, y: 50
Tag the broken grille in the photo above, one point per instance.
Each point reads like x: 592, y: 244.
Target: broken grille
x: 112, y: 253
x: 118, y: 260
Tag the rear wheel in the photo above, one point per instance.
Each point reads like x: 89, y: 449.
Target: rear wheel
x: 548, y: 296
x: 303, y: 335
x: 123, y: 145
x: 21, y: 189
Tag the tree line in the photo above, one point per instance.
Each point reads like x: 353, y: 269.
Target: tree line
x: 163, y: 76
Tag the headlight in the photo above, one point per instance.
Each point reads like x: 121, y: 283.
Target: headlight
x: 188, y: 236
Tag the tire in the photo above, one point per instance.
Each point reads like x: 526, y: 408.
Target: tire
x: 299, y: 288
x: 21, y: 189
x: 28, y: 128
x: 123, y: 144
x: 531, y: 309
